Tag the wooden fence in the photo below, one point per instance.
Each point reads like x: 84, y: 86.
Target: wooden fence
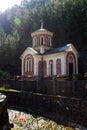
x: 71, y: 88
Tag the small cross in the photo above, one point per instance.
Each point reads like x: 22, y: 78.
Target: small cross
x: 42, y: 23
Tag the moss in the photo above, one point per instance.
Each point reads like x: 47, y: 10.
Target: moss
x: 6, y: 88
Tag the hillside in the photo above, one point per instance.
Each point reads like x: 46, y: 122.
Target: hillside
x: 66, y: 18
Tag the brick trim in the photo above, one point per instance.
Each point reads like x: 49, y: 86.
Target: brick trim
x: 67, y: 62
x: 31, y: 73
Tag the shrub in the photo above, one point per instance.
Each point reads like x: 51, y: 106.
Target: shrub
x: 4, y: 74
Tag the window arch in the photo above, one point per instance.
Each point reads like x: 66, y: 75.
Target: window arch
x: 70, y: 63
x: 29, y: 65
x: 70, y: 59
x: 51, y: 67
x: 41, y: 40
x: 58, y: 66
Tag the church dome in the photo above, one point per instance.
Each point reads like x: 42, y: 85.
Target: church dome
x: 42, y: 39
x: 41, y: 31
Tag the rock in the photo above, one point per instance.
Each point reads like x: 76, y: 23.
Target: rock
x: 4, y: 120
x: 31, y: 123
x: 11, y: 125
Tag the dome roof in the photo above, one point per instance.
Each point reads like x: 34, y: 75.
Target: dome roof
x: 41, y: 31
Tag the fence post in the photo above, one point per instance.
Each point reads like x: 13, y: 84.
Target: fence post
x: 14, y: 82
x: 37, y: 85
x: 54, y: 80
x: 22, y: 85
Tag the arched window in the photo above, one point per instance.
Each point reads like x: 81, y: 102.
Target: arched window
x: 58, y: 66
x: 51, y: 67
x: 70, y: 59
x: 28, y: 65
x: 71, y: 69
x: 70, y: 64
x: 41, y: 40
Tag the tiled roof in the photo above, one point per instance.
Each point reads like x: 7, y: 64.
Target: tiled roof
x: 55, y: 50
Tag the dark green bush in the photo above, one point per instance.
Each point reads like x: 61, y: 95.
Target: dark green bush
x: 4, y: 74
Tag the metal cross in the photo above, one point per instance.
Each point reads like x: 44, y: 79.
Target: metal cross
x: 42, y: 23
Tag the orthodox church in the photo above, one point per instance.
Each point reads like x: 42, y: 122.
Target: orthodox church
x: 42, y: 60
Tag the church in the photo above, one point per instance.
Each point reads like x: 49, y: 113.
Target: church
x: 42, y: 60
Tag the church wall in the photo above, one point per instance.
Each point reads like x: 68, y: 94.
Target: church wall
x: 76, y: 55
x: 63, y: 65
x: 22, y: 68
x: 36, y: 59
x: 76, y: 58
x: 76, y: 65
x: 74, y: 62
x: 54, y: 57
x: 46, y: 39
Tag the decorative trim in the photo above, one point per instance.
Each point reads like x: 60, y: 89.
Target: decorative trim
x: 28, y: 60
x: 67, y: 62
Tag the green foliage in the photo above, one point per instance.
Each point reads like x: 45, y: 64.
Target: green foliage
x: 6, y: 88
x: 4, y: 74
x: 2, y: 36
x: 66, y: 18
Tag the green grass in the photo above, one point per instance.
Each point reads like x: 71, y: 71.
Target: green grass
x: 6, y: 88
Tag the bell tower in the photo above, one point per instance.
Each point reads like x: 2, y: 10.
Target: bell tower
x: 42, y: 39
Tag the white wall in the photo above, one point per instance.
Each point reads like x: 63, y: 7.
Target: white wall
x: 37, y: 58
x: 54, y: 57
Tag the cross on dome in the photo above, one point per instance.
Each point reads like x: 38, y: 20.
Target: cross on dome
x: 42, y: 23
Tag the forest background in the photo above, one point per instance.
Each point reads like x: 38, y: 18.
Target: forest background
x: 67, y: 19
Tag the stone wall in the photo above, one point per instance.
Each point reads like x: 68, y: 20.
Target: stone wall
x: 74, y: 109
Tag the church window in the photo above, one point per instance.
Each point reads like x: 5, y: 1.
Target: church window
x: 70, y: 64
x: 41, y: 40
x: 34, y: 41
x: 71, y: 70
x: 28, y: 65
x: 70, y: 59
x: 51, y: 67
